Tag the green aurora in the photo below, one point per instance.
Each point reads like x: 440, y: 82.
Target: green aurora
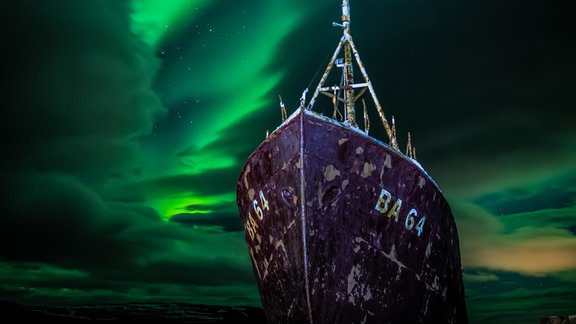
x: 125, y: 125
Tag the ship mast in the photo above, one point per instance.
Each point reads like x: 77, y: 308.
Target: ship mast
x: 348, y: 85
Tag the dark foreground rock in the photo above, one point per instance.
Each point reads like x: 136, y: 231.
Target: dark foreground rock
x: 570, y: 319
x: 145, y: 313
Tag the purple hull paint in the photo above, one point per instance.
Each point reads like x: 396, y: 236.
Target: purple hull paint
x: 344, y: 229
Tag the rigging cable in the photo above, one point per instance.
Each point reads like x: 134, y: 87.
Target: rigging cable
x: 318, y: 70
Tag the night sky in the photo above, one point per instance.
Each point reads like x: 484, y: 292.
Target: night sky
x: 125, y: 124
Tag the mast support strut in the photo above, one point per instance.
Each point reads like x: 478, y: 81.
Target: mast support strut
x: 348, y: 87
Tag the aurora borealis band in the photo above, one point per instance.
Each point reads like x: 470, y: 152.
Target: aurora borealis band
x: 125, y: 125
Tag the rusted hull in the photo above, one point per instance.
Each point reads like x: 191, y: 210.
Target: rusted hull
x: 343, y: 229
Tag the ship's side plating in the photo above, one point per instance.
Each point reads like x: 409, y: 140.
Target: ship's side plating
x: 343, y: 229
x: 269, y: 201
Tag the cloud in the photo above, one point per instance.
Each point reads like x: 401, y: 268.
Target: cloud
x: 228, y: 220
x: 79, y: 90
x: 80, y: 93
x: 524, y: 226
x: 521, y: 305
x: 60, y: 220
x: 525, y: 249
x: 480, y: 276
x: 213, y: 182
x: 80, y: 98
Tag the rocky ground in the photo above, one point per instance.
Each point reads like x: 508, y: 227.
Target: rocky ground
x: 166, y: 313
x: 570, y: 319
x: 153, y: 313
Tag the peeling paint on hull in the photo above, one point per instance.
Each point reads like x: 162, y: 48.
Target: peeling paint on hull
x: 343, y: 229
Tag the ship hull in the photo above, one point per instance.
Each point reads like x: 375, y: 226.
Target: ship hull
x: 344, y: 229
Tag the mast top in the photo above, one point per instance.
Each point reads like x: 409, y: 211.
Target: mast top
x: 346, y: 91
x: 346, y: 13
x: 345, y: 16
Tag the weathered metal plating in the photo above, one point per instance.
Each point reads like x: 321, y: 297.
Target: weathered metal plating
x: 342, y: 228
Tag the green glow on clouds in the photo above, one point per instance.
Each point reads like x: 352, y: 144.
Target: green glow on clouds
x: 176, y: 204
